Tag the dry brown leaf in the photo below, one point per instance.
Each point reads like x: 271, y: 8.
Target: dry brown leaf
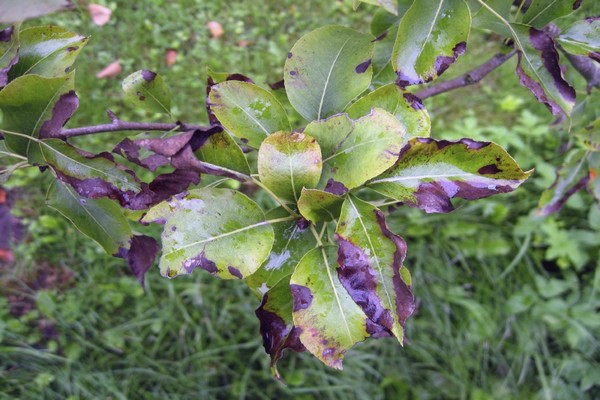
x: 215, y: 29
x: 100, y: 14
x: 112, y: 69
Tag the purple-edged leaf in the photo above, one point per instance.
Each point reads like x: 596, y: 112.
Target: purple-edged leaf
x: 330, y: 322
x: 215, y: 78
x: 594, y: 175
x: 582, y: 38
x: 430, y: 172
x: 9, y: 52
x: 431, y: 35
x: 317, y: 205
x: 187, y: 160
x: 356, y: 151
x: 390, y: 6
x: 220, y: 149
x: 326, y: 69
x: 247, y: 111
x: 219, y: 230
x: 26, y: 104
x: 141, y: 255
x: 539, y: 69
x: 571, y: 177
x: 276, y: 325
x: 63, y: 110
x: 383, y: 72
x: 49, y: 51
x: 370, y: 259
x: 292, y: 241
x: 541, y: 12
x: 14, y: 11
x: 147, y: 90
x: 403, y: 105
x: 100, y: 219
x: 288, y: 162
x: 162, y: 187
x: 134, y: 153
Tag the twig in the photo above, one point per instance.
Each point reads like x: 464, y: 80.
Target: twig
x: 469, y: 78
x: 117, y: 125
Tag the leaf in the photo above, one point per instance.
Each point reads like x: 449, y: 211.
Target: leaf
x: 111, y: 70
x: 289, y: 162
x: 292, y: 241
x: 220, y: 149
x: 247, y: 111
x: 100, y: 15
x: 26, y: 104
x: 539, y: 70
x: 390, y: 6
x: 431, y: 36
x: 317, y: 205
x: 542, y: 12
x: 356, y: 151
x: 147, y: 90
x: 571, y: 177
x: 9, y: 52
x: 594, y: 175
x: 430, y: 172
x: 484, y: 19
x: 140, y: 255
x: 330, y: 322
x: 100, y: 219
x: 383, y: 73
x: 371, y: 267
x: 326, y: 69
x: 14, y: 11
x: 219, y: 230
x: 582, y: 38
x: 403, y: 105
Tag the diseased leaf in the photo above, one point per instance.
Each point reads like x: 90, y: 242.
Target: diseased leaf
x: 292, y: 241
x: 219, y: 230
x: 317, y: 205
x: 140, y: 255
x: 582, y: 38
x: 220, y: 149
x: 9, y: 48
x: 390, y: 6
x: 100, y: 219
x: 484, y: 19
x: 26, y: 104
x: 539, y: 70
x: 289, y: 162
x: 326, y: 69
x: 370, y: 259
x: 431, y: 36
x: 383, y: 72
x: 430, y: 172
x: 356, y: 151
x: 594, y: 175
x: 14, y: 11
x: 403, y: 105
x: 147, y: 90
x: 49, y: 51
x: 330, y: 322
x: 247, y: 111
x: 541, y: 12
x: 571, y: 177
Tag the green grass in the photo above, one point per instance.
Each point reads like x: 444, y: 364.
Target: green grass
x: 507, y: 302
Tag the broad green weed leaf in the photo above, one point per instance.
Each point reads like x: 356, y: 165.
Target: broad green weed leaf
x: 582, y: 38
x: 14, y: 11
x: 541, y: 12
x: 326, y: 69
x: 148, y: 90
x: 219, y: 230
x: 317, y: 205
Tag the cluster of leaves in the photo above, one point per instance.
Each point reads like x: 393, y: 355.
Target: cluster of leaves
x: 329, y: 271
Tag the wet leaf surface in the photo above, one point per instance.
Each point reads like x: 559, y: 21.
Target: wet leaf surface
x: 147, y: 90
x: 582, y: 38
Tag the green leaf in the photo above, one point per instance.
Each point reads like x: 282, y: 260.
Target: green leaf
x: 582, y: 38
x: 430, y: 172
x: 14, y: 11
x: 220, y: 149
x: 219, y: 230
x: 292, y: 242
x: 147, y: 90
x: 403, y: 105
x: 390, y: 6
x: 371, y: 267
x: 326, y: 69
x: 100, y: 219
x: 317, y: 205
x: 542, y: 12
x: 484, y: 19
x: 329, y: 320
x: 356, y: 151
x: 9, y: 48
x: 289, y: 162
x: 49, y: 51
x: 431, y: 35
x: 383, y: 73
x: 247, y: 111
x: 26, y: 103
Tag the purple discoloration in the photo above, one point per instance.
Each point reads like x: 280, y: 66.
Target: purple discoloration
x: 302, y: 223
x: 377, y: 331
x: 335, y: 187
x: 403, y: 80
x: 61, y: 113
x: 490, y: 169
x: 414, y: 101
x: 148, y: 76
x: 130, y: 150
x: 443, y: 62
x: 141, y: 256
x: 72, y: 48
x: 290, y: 55
x: 381, y: 37
x: 202, y: 262
x: 362, y: 67
x: 576, y: 4
x: 235, y: 272
x: 293, y: 73
x: 302, y: 297
x: 163, y: 187
x: 277, y: 85
x: 6, y: 34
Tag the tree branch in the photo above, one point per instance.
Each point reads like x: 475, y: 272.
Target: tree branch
x: 469, y: 78
x: 117, y: 125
